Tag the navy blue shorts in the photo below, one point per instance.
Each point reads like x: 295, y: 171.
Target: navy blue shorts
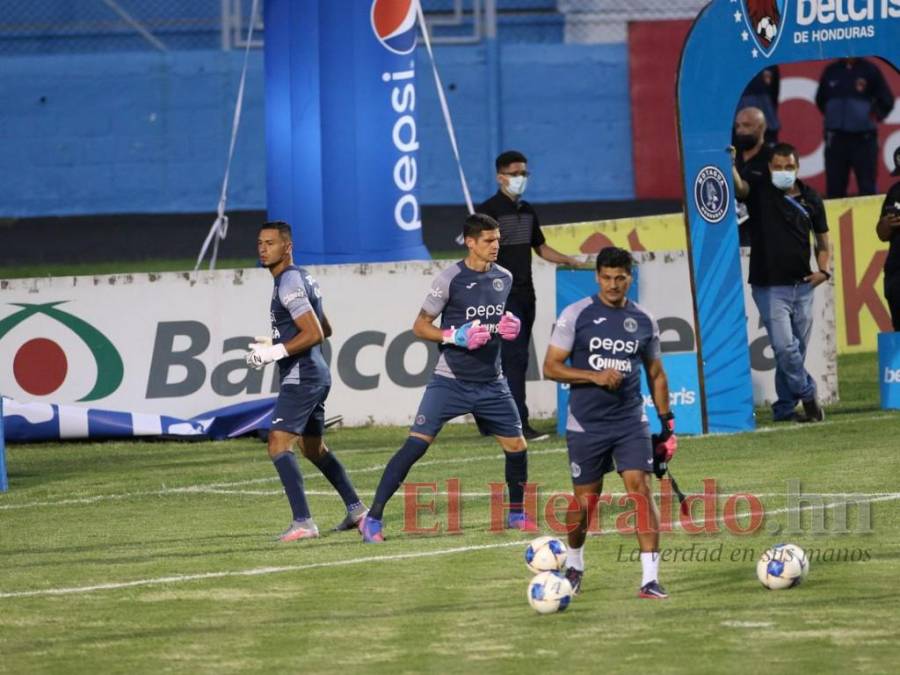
x: 591, y: 454
x: 300, y: 409
x: 491, y: 403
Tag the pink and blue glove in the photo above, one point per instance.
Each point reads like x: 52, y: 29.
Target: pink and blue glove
x: 665, y: 443
x: 509, y: 326
x: 471, y: 335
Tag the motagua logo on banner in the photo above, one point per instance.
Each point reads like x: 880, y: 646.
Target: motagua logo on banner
x: 711, y: 194
x: 41, y: 366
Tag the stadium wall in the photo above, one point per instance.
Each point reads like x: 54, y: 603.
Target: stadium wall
x: 148, y: 133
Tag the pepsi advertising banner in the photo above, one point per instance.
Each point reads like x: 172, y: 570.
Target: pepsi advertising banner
x: 729, y: 43
x: 341, y: 134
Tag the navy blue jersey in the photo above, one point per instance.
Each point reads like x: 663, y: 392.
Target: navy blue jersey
x: 460, y: 295
x: 295, y: 294
x: 598, y: 337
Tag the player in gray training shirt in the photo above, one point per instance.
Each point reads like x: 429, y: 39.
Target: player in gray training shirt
x: 299, y: 327
x: 470, y: 297
x: 607, y: 338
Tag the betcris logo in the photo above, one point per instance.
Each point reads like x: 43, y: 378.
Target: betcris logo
x: 394, y: 24
x: 891, y: 376
x: 765, y: 19
x: 845, y: 11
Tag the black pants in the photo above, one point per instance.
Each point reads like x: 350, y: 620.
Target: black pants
x: 844, y: 151
x: 892, y: 295
x: 514, y: 354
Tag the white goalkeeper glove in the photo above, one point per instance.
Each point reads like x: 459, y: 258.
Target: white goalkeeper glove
x: 262, y: 351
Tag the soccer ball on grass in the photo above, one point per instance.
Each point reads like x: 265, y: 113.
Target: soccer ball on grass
x: 549, y: 592
x: 782, y: 566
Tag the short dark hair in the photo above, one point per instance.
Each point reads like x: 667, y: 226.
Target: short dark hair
x: 509, y: 157
x: 612, y: 256
x: 785, y: 150
x: 478, y: 223
x: 283, y: 228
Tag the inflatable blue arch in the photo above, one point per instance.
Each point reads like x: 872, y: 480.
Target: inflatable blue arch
x: 729, y: 43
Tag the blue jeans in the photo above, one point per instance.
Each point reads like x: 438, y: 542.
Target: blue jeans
x: 786, y: 312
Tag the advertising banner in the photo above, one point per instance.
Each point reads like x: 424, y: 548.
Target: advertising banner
x: 858, y: 260
x: 341, y: 136
x: 150, y: 354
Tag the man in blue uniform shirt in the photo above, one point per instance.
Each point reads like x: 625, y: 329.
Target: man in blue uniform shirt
x: 299, y: 327
x: 470, y: 297
x: 853, y: 96
x: 608, y: 338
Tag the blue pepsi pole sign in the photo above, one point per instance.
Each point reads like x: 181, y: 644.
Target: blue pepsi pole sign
x: 341, y: 136
x: 729, y: 43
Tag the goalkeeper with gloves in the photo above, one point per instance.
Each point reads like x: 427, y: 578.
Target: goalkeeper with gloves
x: 470, y: 298
x: 299, y: 327
x: 606, y: 338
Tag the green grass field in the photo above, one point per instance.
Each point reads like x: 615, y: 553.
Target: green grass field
x: 161, y: 557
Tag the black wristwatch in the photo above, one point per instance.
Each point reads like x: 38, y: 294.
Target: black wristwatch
x: 827, y: 274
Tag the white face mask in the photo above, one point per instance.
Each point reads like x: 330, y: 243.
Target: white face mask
x: 784, y: 180
x: 515, y: 185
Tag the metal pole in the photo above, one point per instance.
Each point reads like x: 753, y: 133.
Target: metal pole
x: 226, y: 25
x: 494, y: 84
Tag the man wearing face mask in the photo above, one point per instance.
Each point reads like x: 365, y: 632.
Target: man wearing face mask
x: 520, y: 232
x: 751, y: 158
x: 786, y: 211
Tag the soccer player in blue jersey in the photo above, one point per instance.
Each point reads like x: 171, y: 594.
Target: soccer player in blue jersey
x: 299, y: 327
x: 607, y: 337
x: 470, y: 297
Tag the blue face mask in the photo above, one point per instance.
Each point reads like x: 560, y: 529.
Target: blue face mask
x: 784, y: 180
x: 516, y: 184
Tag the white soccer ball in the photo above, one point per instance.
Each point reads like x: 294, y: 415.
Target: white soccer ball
x: 766, y: 28
x: 545, y: 554
x: 782, y: 566
x: 549, y: 592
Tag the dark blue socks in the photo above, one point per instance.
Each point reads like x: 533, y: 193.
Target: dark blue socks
x: 395, y: 473
x: 516, y: 477
x: 333, y: 470
x: 292, y: 480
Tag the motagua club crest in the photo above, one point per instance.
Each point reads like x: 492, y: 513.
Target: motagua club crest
x: 711, y: 194
x: 763, y: 21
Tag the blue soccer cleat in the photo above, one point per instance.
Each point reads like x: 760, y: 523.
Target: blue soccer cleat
x: 653, y: 591
x: 370, y: 529
x: 521, y: 521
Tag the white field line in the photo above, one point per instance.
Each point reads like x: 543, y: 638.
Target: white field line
x: 219, y: 489
x: 261, y: 571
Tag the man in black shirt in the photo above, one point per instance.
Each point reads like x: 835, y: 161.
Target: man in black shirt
x: 782, y: 284
x: 520, y: 232
x: 888, y: 229
x: 853, y: 96
x: 751, y: 159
